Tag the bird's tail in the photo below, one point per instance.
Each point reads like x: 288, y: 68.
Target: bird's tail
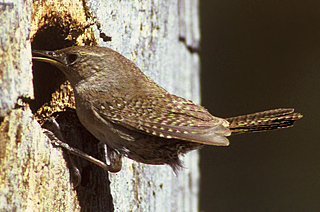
x: 262, y: 121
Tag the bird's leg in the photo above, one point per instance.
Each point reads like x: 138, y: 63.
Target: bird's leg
x: 57, y: 142
x: 56, y: 137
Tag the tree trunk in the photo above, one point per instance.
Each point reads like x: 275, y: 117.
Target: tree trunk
x: 159, y: 36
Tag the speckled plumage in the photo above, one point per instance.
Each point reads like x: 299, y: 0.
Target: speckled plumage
x: 137, y: 118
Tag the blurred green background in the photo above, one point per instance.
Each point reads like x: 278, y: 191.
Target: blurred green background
x: 258, y: 55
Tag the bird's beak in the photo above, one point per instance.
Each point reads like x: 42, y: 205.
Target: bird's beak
x: 47, y: 56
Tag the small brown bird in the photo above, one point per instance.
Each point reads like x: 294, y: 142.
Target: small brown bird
x: 137, y: 118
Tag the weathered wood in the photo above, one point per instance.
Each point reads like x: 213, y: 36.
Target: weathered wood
x: 15, y: 54
x: 159, y: 36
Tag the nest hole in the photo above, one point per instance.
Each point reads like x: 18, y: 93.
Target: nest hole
x: 52, y: 90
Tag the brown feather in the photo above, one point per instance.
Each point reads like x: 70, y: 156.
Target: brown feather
x: 262, y: 121
x: 166, y: 116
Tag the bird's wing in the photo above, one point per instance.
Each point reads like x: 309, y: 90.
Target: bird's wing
x: 167, y: 116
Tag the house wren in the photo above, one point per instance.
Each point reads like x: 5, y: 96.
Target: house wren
x: 137, y: 118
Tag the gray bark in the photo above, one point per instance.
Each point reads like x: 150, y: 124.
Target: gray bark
x: 159, y: 36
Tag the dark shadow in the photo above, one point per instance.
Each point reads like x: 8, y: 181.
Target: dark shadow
x: 258, y: 55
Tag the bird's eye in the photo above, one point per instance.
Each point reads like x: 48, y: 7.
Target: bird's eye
x: 72, y: 58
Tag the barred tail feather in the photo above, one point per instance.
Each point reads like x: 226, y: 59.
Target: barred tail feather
x: 262, y: 121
